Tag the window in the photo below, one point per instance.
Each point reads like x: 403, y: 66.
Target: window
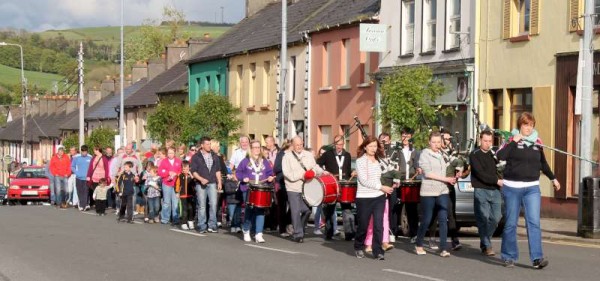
x: 239, y: 83
x: 365, y: 67
x: 521, y: 18
x: 524, y: 16
x: 293, y: 78
x: 408, y: 29
x: 498, y: 100
x: 454, y: 8
x: 521, y: 101
x: 326, y: 63
x: 267, y: 82
x: 252, y: 136
x: 299, y: 129
x: 207, y: 84
x: 597, y: 11
x: 326, y: 136
x: 252, y: 85
x: 345, y: 62
x: 429, y: 25
x: 218, y: 83
x: 346, y: 133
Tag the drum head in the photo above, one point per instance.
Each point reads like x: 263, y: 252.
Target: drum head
x: 312, y: 192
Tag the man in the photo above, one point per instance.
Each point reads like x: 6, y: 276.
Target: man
x: 79, y: 167
x: 108, y: 152
x: 338, y: 162
x: 60, y: 168
x: 272, y: 149
x: 239, y: 154
x: 51, y: 178
x: 298, y: 166
x: 71, y: 190
x: 488, y: 199
x: 114, y: 169
x: 447, y: 151
x: 206, y: 170
x: 408, y: 164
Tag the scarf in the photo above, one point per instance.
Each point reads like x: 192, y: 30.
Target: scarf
x: 529, y: 140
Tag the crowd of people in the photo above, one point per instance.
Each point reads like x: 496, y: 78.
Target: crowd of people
x: 200, y: 189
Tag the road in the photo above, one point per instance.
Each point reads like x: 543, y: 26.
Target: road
x: 44, y: 243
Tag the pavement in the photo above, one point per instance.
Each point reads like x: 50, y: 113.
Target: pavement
x: 563, y: 230
x: 44, y: 243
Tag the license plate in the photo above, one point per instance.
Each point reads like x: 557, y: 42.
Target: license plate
x: 29, y: 192
x: 465, y: 187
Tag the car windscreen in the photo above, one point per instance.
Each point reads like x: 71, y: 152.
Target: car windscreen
x: 31, y: 173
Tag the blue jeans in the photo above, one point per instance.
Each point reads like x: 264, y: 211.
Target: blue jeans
x: 234, y: 211
x: 60, y: 190
x: 170, y: 204
x: 203, y: 192
x: 253, y: 217
x: 52, y: 191
x: 428, y: 204
x: 530, y: 197
x: 153, y: 207
x: 488, y: 212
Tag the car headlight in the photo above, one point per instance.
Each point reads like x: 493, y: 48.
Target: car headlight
x: 15, y: 187
x: 44, y: 187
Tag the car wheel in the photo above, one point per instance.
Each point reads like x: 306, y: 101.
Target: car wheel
x: 404, y: 226
x: 23, y: 202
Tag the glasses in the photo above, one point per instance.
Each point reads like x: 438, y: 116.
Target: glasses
x: 255, y: 147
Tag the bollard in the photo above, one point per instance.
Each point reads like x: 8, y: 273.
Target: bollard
x: 590, y: 208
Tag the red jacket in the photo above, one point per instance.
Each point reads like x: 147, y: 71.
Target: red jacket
x: 60, y: 166
x: 165, y: 167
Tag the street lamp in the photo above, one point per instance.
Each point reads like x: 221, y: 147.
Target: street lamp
x: 24, y: 96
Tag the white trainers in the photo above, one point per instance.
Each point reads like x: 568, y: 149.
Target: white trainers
x: 190, y: 225
x: 259, y: 238
x: 247, y: 237
x: 184, y: 227
x: 233, y: 230
x: 318, y: 232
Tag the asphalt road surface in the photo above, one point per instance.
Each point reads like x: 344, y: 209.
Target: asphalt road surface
x: 44, y: 243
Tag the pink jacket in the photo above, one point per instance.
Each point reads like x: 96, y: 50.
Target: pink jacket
x: 165, y: 167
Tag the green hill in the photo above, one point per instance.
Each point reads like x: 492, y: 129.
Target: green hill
x: 111, y: 34
x: 12, y: 76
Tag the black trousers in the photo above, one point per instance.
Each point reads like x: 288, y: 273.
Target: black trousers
x: 283, y: 215
x: 394, y: 211
x: 412, y: 213
x: 126, y: 204
x: 187, y: 209
x: 83, y: 193
x: 100, y: 207
x: 367, y: 208
x: 328, y: 211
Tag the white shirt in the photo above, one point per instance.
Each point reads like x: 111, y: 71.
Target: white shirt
x: 237, y: 157
x: 407, y: 152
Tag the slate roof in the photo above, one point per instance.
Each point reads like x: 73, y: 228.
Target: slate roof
x: 146, y: 95
x: 178, y: 85
x: 38, y: 126
x: 105, y: 108
x: 263, y: 30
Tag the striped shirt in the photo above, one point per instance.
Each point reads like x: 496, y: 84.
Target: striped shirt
x: 369, y: 178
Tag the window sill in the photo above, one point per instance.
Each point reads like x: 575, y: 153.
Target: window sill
x: 326, y: 88
x: 580, y: 32
x: 428, y: 53
x: 451, y: 50
x: 251, y: 108
x: 520, y: 38
x: 344, y: 87
x: 264, y: 107
x: 363, y: 85
x: 410, y: 55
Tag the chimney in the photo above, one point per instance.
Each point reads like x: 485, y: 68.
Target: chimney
x: 176, y: 52
x: 127, y: 81
x: 44, y: 105
x: 139, y: 71
x: 71, y: 104
x: 156, y: 67
x: 253, y: 6
x: 33, y: 108
x: 108, y: 86
x: 196, y: 45
x: 94, y: 96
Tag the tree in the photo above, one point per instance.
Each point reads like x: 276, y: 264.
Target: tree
x: 101, y: 137
x: 71, y: 140
x: 169, y: 121
x: 214, y: 116
x: 407, y: 101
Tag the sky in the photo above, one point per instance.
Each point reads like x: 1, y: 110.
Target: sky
x: 40, y: 15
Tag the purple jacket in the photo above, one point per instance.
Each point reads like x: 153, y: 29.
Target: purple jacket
x: 244, y: 170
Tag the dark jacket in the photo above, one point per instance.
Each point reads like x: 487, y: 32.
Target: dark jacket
x: 198, y: 165
x: 126, y: 183
x: 524, y: 163
x: 329, y: 163
x: 184, y: 185
x: 483, y: 170
x: 278, y: 168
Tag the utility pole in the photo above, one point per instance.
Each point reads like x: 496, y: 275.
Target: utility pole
x: 81, y: 101
x: 122, y: 106
x: 283, y: 100
x: 587, y: 55
x: 222, y: 14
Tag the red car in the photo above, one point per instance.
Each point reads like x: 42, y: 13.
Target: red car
x: 29, y: 184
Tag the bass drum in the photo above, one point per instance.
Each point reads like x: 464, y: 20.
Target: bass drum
x: 320, y: 190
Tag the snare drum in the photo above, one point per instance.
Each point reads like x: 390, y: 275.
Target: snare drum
x: 410, y: 191
x: 347, y: 191
x: 320, y: 190
x: 260, y: 195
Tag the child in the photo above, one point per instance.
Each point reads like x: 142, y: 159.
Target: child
x: 152, y: 194
x: 184, y: 186
x: 126, y: 189
x: 100, y: 197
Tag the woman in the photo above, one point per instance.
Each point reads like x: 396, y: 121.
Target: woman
x: 168, y: 170
x: 284, y: 216
x: 524, y: 161
x: 98, y: 169
x: 215, y: 146
x: 434, y: 193
x: 182, y: 151
x: 370, y: 196
x: 256, y: 169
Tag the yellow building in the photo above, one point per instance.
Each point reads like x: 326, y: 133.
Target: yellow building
x: 524, y: 59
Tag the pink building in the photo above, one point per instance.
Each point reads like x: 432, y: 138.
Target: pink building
x: 341, y: 86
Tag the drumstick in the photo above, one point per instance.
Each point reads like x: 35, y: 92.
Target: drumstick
x: 351, y: 178
x: 413, y: 177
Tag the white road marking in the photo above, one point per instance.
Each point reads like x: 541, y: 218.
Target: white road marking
x: 187, y: 232
x: 88, y: 213
x: 279, y: 250
x: 568, y: 243
x: 413, y: 275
